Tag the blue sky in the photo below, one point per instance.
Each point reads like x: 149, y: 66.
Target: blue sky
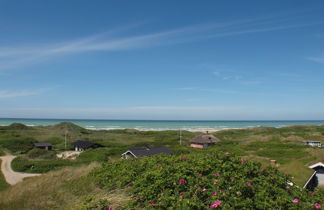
x: 199, y: 60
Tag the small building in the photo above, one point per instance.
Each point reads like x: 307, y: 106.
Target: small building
x: 204, y: 141
x: 82, y: 145
x: 317, y: 178
x: 313, y: 143
x: 137, y: 152
x: 43, y: 145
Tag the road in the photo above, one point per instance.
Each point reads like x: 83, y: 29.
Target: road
x: 11, y: 176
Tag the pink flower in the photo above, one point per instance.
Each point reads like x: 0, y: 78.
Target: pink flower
x: 262, y: 169
x: 152, y: 204
x: 204, y: 190
x: 317, y: 206
x: 217, y: 174
x: 238, y: 193
x: 312, y: 193
x: 215, y: 193
x: 296, y: 200
x: 109, y: 208
x: 182, y: 181
x: 216, y: 181
x: 249, y: 184
x: 216, y: 204
x: 243, y: 161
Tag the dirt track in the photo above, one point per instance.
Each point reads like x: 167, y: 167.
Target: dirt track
x: 11, y: 176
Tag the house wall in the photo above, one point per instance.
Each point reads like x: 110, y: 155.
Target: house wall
x: 78, y: 149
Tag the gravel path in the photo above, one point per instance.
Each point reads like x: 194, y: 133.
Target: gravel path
x: 11, y: 176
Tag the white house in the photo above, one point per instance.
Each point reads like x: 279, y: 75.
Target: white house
x: 317, y: 178
x: 313, y: 143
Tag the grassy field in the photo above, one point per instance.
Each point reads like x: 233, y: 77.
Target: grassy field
x: 285, y: 145
x: 66, y: 185
x: 68, y: 188
x: 3, y: 184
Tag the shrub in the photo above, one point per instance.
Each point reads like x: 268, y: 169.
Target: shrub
x: 41, y: 154
x: 17, y: 144
x: 200, y: 180
x: 1, y: 152
x: 38, y: 166
x: 98, y: 154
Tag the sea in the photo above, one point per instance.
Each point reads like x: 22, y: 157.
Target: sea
x: 147, y: 125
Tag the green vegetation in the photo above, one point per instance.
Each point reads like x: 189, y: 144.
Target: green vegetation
x: 69, y: 188
x: 200, y: 181
x: 39, y: 166
x: 3, y: 184
x: 16, y: 144
x: 119, y: 182
x: 1, y: 152
x: 262, y: 144
x: 41, y: 154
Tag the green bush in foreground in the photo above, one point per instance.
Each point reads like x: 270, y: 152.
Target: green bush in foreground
x: 200, y: 181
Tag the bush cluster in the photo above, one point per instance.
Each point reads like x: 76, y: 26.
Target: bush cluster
x: 17, y: 144
x: 200, y: 181
x: 41, y: 154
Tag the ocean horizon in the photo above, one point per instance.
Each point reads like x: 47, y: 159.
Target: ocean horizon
x: 146, y: 125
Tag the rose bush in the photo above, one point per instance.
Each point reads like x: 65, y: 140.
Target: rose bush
x: 200, y: 181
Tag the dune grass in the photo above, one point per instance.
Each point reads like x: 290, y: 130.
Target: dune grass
x: 68, y: 188
x: 1, y: 152
x: 3, y: 184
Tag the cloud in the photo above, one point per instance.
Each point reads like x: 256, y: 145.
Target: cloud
x: 319, y: 59
x: 118, y: 40
x: 214, y: 90
x: 22, y: 93
x: 216, y: 73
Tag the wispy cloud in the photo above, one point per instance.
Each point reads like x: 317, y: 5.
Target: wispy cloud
x: 22, y: 93
x: 319, y: 59
x: 118, y: 40
x: 214, y: 90
x: 216, y: 73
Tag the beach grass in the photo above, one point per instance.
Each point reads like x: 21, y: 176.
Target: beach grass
x: 62, y: 189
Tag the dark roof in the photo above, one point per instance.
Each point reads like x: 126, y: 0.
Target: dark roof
x: 205, y: 139
x: 145, y: 151
x: 42, y: 144
x: 84, y: 144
